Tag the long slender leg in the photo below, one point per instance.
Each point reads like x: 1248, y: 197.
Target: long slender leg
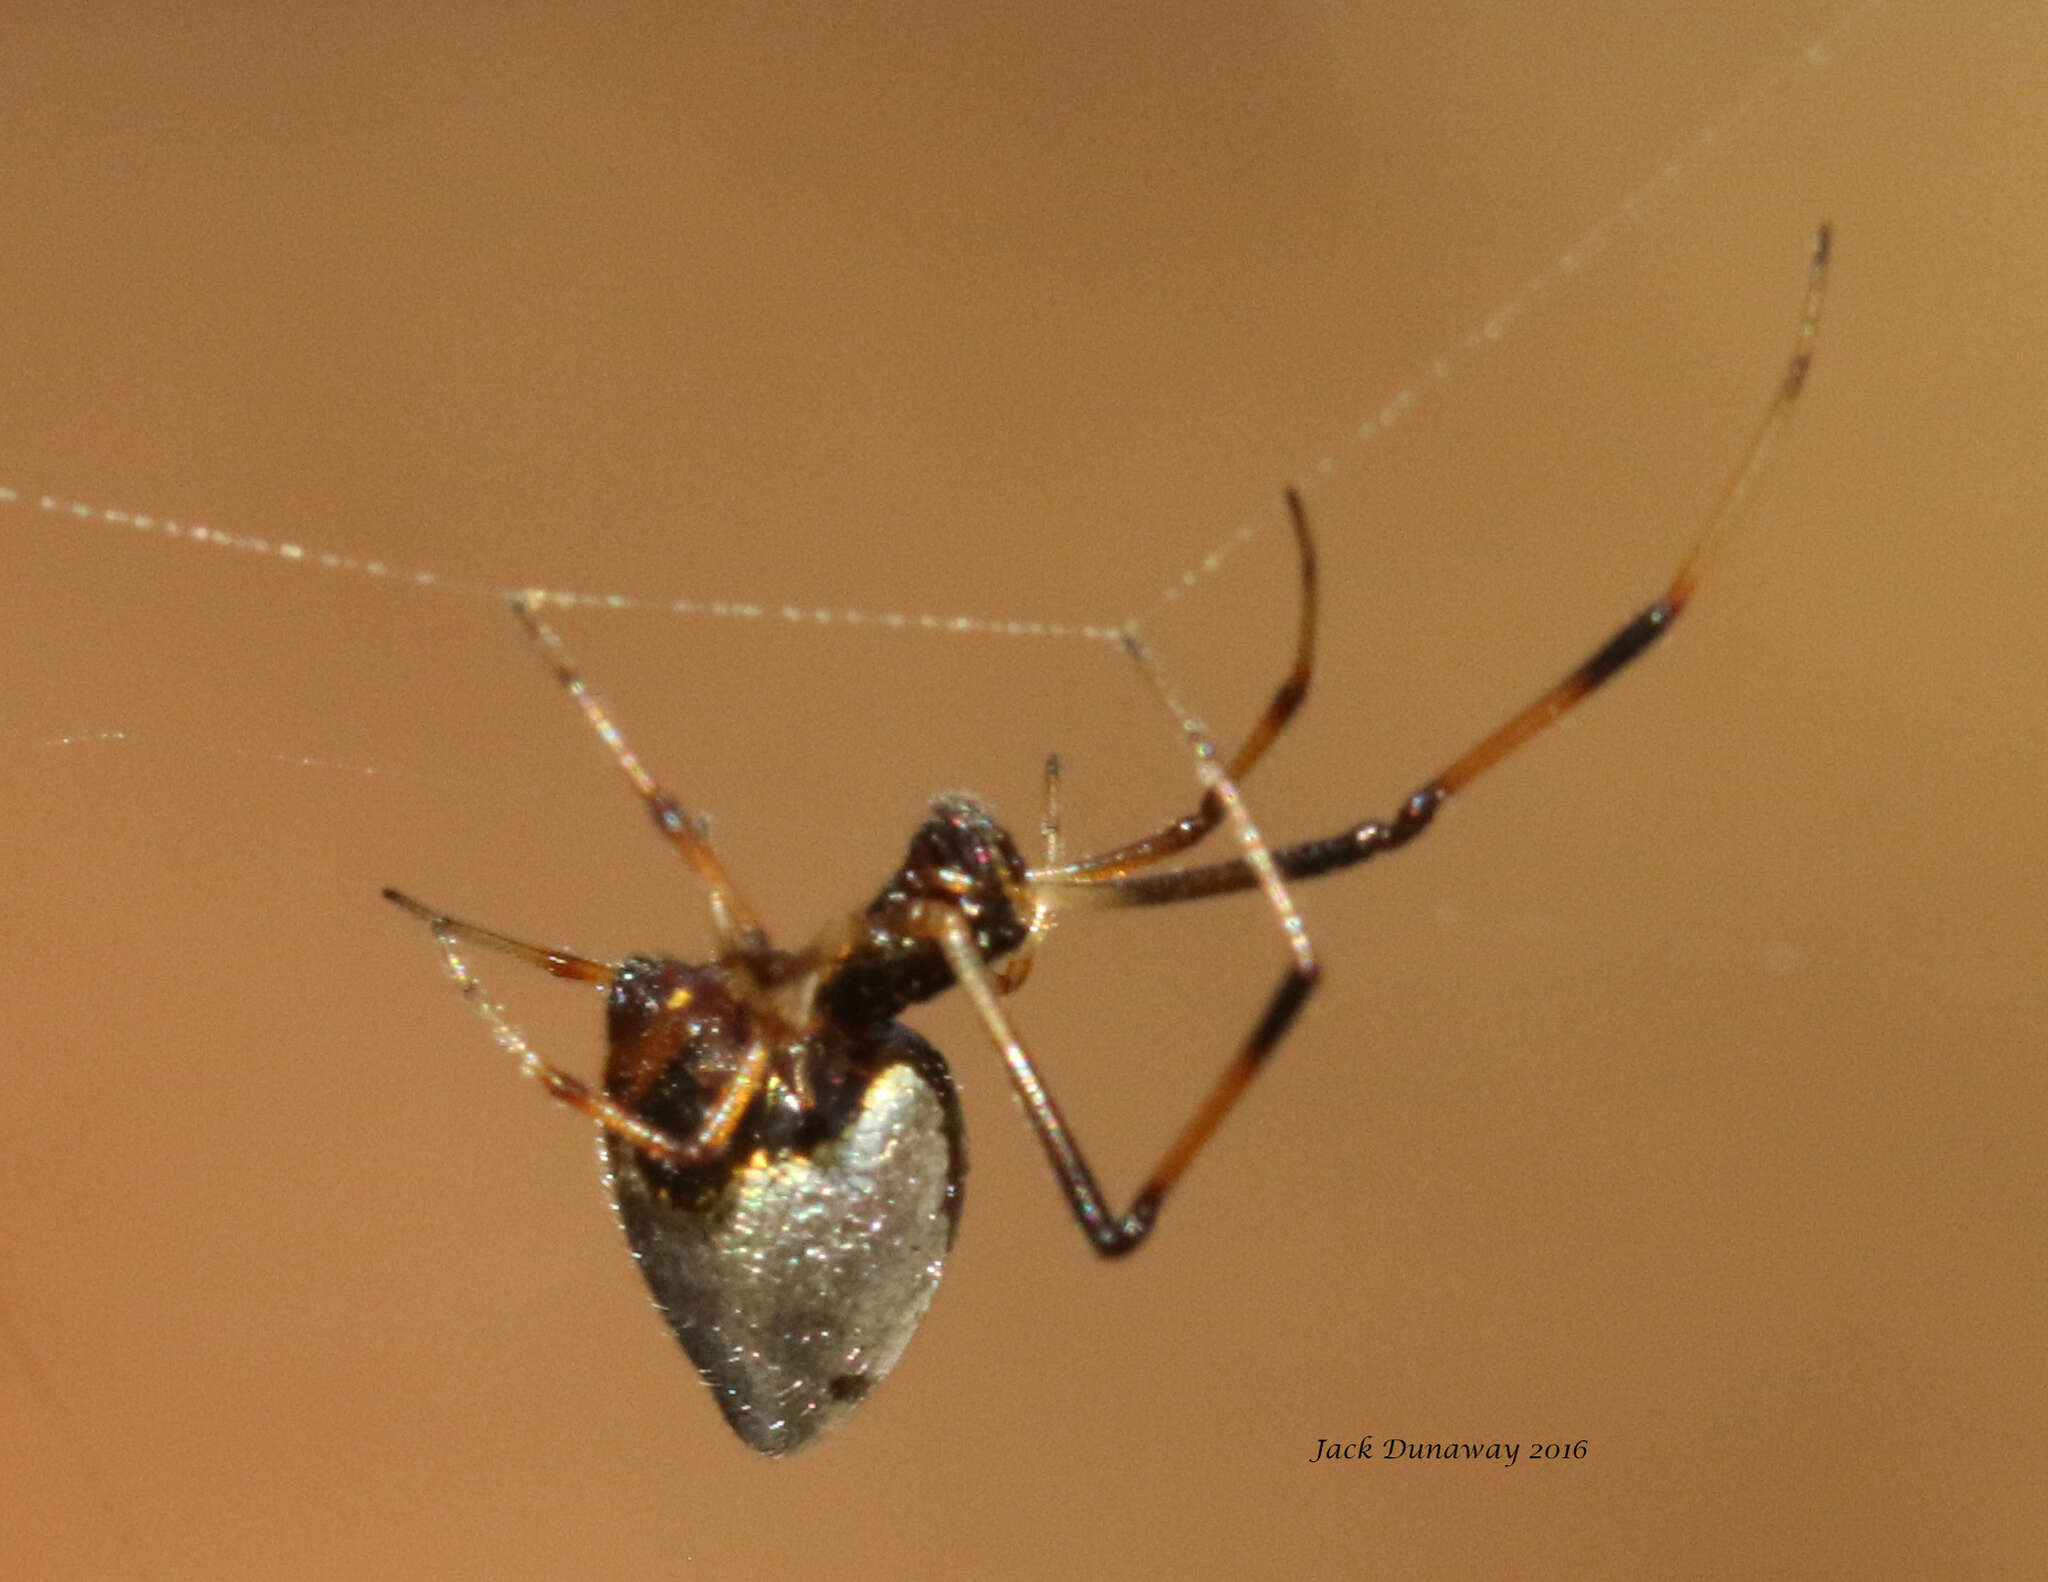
x: 452, y: 933
x: 1313, y: 858
x: 734, y: 921
x: 1110, y: 881
x: 559, y: 962
x: 1110, y: 1233
x: 1184, y: 832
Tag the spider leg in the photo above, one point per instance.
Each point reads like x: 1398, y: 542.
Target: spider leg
x: 1185, y: 831
x: 1076, y: 887
x: 558, y: 962
x: 1111, y: 1233
x: 1010, y: 976
x: 452, y: 933
x: 734, y: 921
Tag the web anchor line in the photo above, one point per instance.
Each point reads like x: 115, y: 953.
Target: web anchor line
x: 324, y: 560
x: 1816, y: 56
x: 1638, y: 206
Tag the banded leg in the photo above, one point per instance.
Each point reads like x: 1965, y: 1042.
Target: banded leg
x: 1110, y: 1233
x: 1073, y: 887
x: 734, y: 921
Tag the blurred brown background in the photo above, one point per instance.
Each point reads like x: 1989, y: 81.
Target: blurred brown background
x: 1682, y: 1094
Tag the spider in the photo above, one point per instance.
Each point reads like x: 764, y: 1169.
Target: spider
x: 786, y: 1158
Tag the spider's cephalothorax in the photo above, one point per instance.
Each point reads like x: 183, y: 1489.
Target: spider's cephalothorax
x: 786, y: 1158
x: 960, y: 858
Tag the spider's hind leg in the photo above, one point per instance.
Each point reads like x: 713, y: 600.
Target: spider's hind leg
x: 738, y: 929
x: 451, y: 934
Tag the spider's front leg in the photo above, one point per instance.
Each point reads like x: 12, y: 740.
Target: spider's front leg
x: 1109, y: 1232
x: 1102, y: 883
